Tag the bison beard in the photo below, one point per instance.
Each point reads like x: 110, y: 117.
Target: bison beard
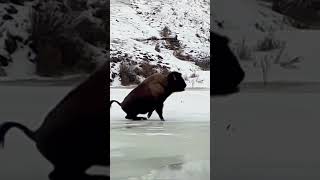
x: 226, y: 71
x: 151, y: 94
x: 74, y: 135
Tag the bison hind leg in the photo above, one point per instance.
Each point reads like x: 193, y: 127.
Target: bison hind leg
x: 97, y: 177
x: 68, y: 174
x: 149, y: 114
x: 135, y: 117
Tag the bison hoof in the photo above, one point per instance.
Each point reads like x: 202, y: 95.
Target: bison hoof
x: 139, y: 118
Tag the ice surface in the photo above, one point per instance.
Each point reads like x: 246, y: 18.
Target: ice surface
x: 178, y: 148
x: 266, y: 135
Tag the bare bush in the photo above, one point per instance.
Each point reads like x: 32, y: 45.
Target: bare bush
x: 164, y: 71
x: 147, y: 69
x: 269, y: 43
x: 171, y: 43
x: 166, y: 32
x: 180, y: 54
x: 278, y: 55
x: 127, y: 75
x: 243, y: 51
x: 59, y: 50
x: 296, y: 23
x: 47, y: 23
x: 194, y: 75
x: 291, y: 63
x: 265, y: 68
x: 204, y: 64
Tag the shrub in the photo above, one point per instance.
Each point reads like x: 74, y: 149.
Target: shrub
x: 269, y: 43
x: 166, y: 32
x: 91, y: 32
x: 243, y: 51
x: 204, y: 64
x: 47, y: 24
x: 59, y: 50
x: 147, y: 69
x: 127, y: 75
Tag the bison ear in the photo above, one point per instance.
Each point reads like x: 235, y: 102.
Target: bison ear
x: 171, y: 77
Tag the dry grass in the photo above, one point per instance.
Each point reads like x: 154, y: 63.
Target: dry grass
x: 243, y: 51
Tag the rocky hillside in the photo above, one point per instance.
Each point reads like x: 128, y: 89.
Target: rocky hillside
x: 51, y: 37
x: 157, y: 36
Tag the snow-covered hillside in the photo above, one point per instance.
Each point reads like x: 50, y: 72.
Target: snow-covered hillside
x: 20, y: 26
x: 15, y: 23
x: 246, y: 16
x: 160, y: 35
x: 134, y: 22
x: 269, y: 47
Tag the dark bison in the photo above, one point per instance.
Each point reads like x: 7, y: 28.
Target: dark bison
x: 226, y: 72
x: 150, y: 95
x: 75, y: 134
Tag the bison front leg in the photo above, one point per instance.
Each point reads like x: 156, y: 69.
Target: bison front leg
x: 149, y: 114
x: 159, y: 111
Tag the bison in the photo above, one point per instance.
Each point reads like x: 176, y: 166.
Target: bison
x: 151, y: 94
x: 226, y: 72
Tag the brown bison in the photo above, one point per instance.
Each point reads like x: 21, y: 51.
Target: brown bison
x: 151, y: 94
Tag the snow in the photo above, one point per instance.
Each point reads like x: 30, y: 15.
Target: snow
x: 245, y: 15
x: 19, y: 26
x: 240, y: 24
x: 198, y: 79
x: 128, y: 25
x: 138, y: 146
x: 22, y: 67
x: 186, y: 22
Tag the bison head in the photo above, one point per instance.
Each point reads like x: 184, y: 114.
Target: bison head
x: 226, y: 71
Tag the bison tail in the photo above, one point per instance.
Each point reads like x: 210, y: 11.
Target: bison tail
x: 5, y: 127
x: 112, y: 101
